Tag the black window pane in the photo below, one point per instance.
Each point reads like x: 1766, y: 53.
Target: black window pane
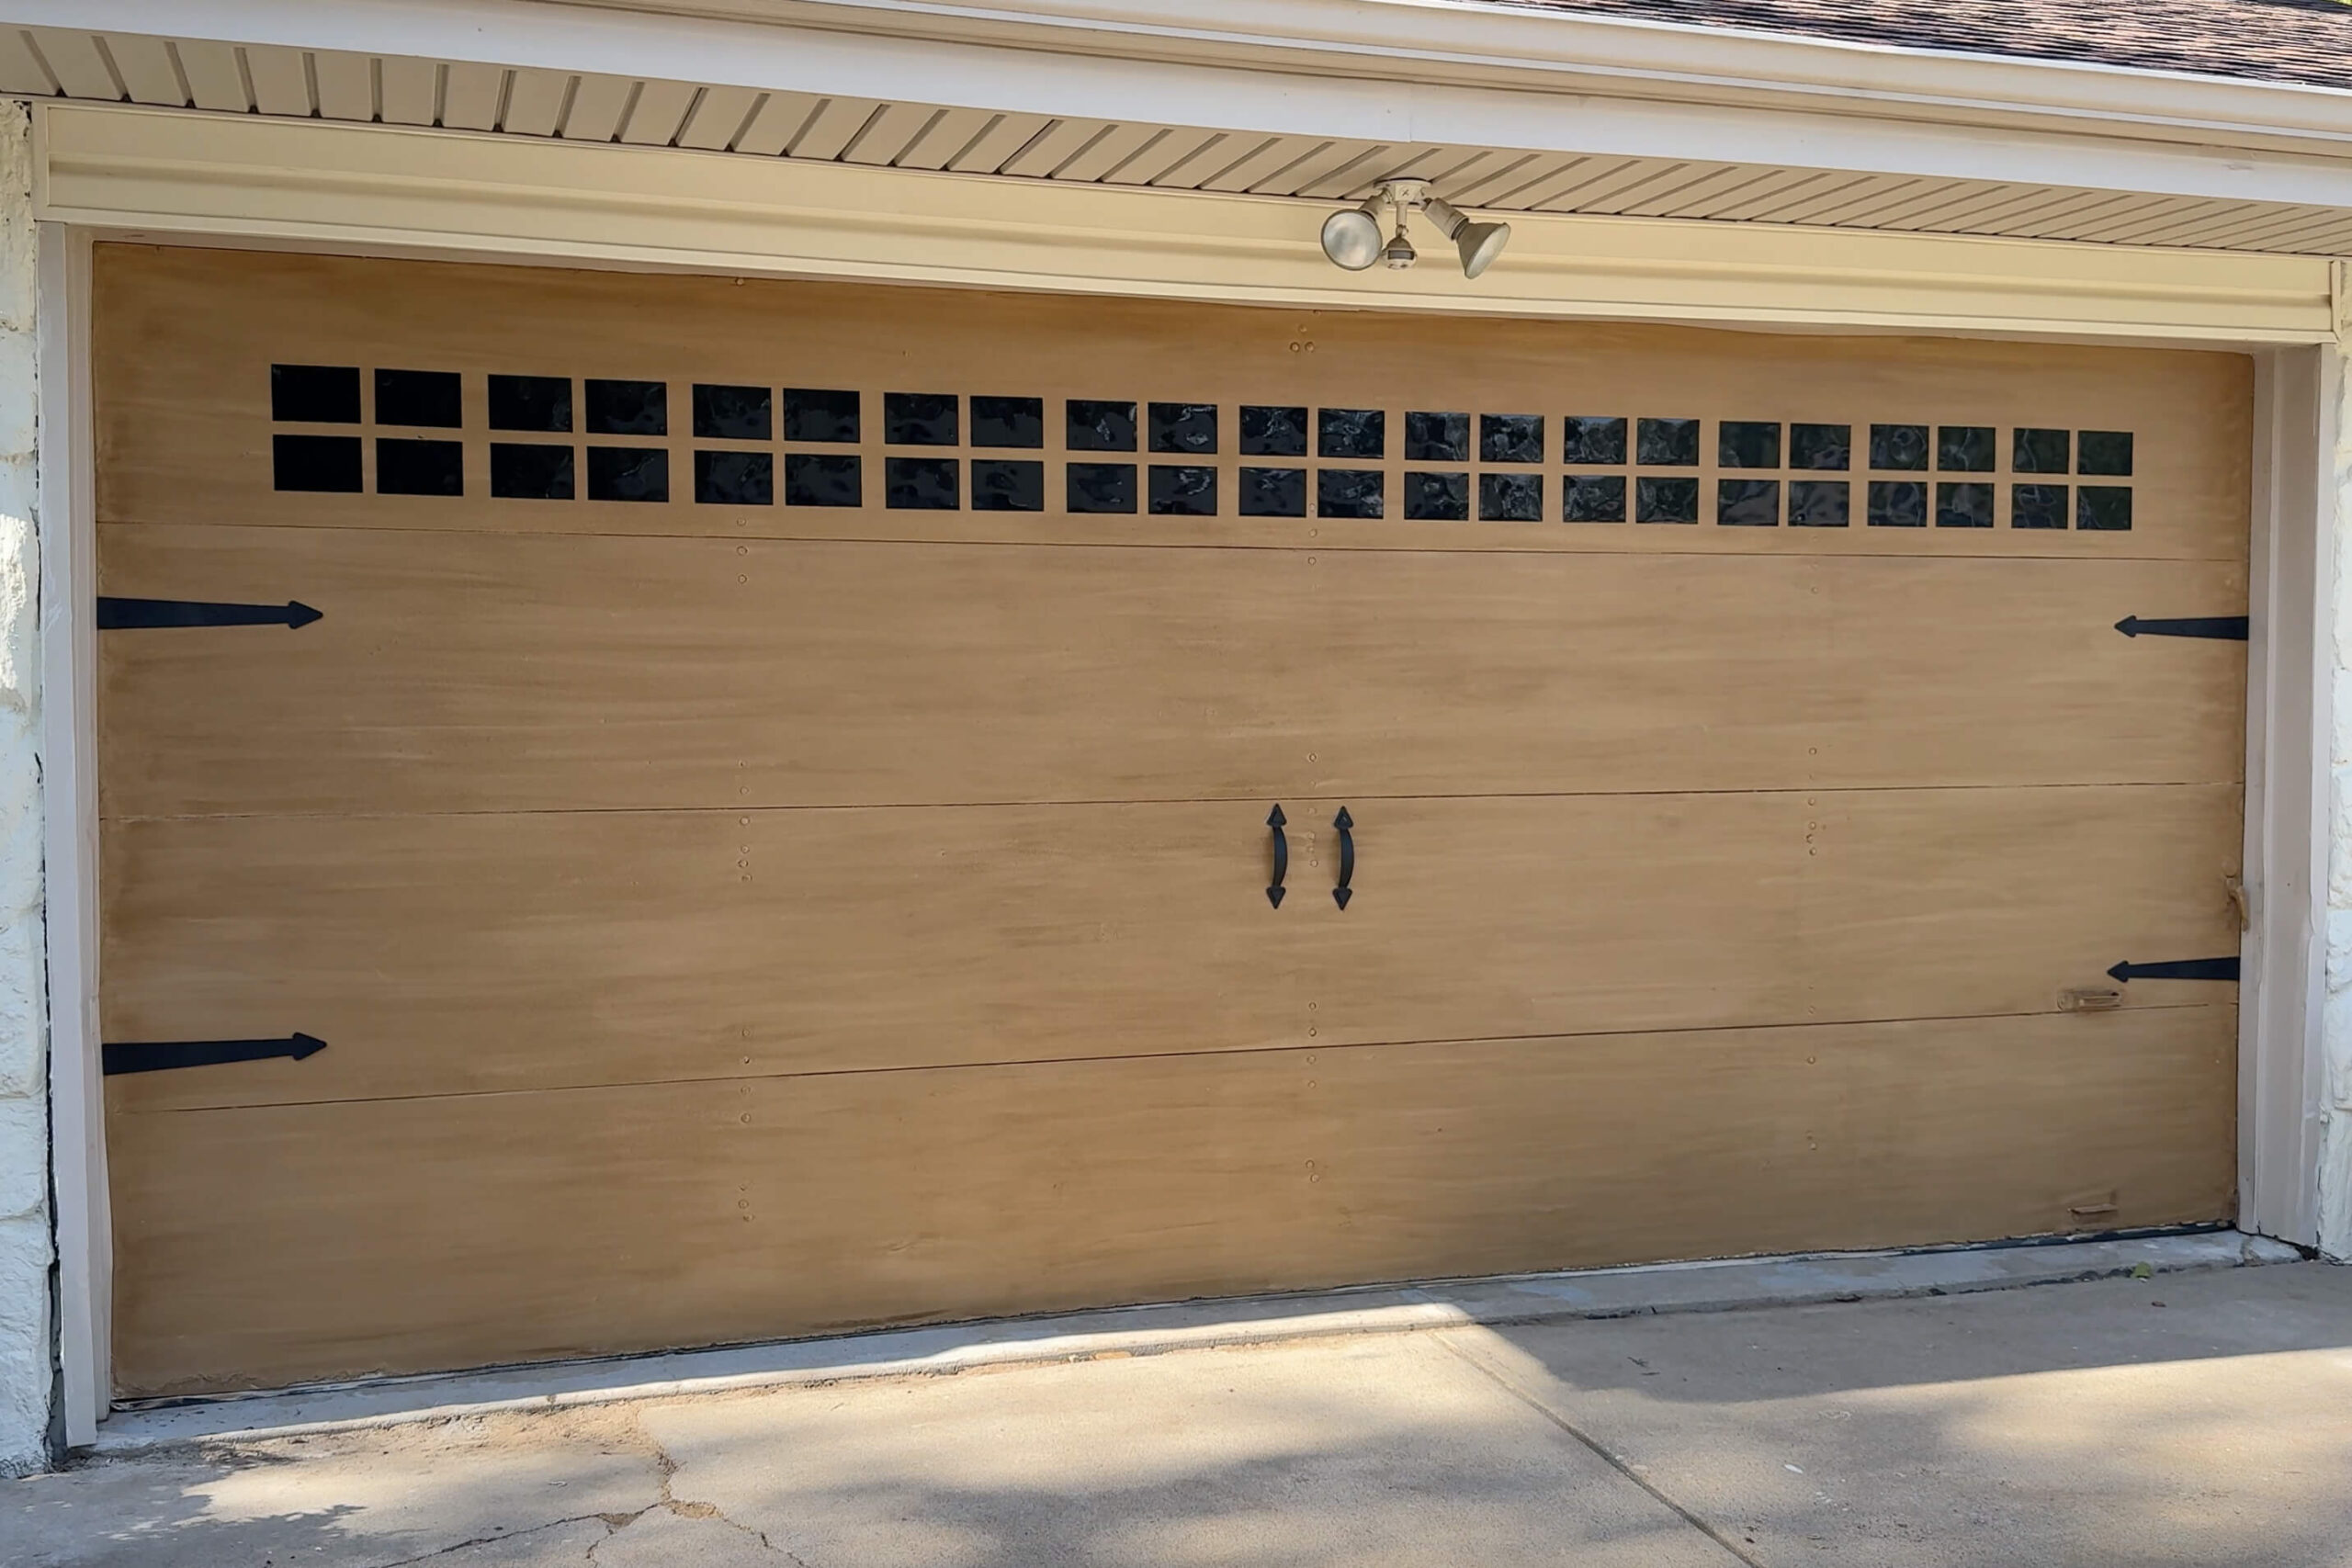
x: 623, y: 407
x: 1821, y: 446
x: 919, y: 418
x: 819, y: 478
x: 815, y: 414
x: 1964, y: 507
x: 1670, y: 443
x: 1601, y: 442
x: 1274, y: 492
x: 531, y: 473
x: 2105, y: 509
x: 1183, y: 490
x: 315, y: 463
x: 407, y: 467
x: 1593, y: 497
x: 1272, y: 431
x: 1351, y: 433
x: 1007, y: 484
x: 1965, y: 449
x: 1098, y: 426
x: 1898, y: 504
x: 2042, y: 451
x: 1819, y: 503
x: 2037, y: 506
x: 921, y: 484
x: 1511, y: 437
x: 530, y: 403
x: 1903, y: 448
x: 431, y: 398
x: 734, y: 414
x: 1747, y: 443
x: 1349, y: 492
x: 629, y: 473
x: 1007, y: 422
x: 1101, y: 487
x: 1665, y: 500
x: 735, y: 478
x: 1748, y: 504
x: 2106, y: 452
x: 1510, y: 498
x: 1437, y: 437
x: 316, y: 394
x: 1184, y: 427
x: 1438, y: 498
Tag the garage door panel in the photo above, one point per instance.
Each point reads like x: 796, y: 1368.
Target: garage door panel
x: 448, y: 954
x: 487, y: 672
x: 734, y: 1211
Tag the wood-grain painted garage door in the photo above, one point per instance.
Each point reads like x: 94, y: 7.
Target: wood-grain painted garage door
x: 771, y: 823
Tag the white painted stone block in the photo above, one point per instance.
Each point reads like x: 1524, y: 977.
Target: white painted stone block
x: 25, y: 1358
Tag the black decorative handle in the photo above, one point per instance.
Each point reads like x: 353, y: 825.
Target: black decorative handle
x: 1282, y: 856
x: 1346, y: 825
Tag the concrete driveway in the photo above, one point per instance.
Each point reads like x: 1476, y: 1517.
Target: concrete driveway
x: 2195, y: 1418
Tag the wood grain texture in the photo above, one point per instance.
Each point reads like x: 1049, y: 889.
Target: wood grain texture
x: 458, y: 955
x: 502, y: 673
x: 366, y: 1240
x: 184, y: 339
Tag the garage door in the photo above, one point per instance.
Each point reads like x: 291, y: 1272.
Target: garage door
x: 807, y: 804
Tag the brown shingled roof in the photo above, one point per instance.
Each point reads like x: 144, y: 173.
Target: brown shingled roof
x: 2306, y: 41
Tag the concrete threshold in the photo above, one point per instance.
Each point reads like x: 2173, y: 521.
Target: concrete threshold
x: 1724, y: 1285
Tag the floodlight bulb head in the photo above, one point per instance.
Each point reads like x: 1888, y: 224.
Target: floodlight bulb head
x: 1352, y: 238
x: 1479, y: 244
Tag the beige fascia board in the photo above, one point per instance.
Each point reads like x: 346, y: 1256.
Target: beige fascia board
x: 161, y: 172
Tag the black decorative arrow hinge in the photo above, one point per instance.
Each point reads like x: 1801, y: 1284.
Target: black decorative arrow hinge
x: 2221, y: 628
x: 2178, y: 969
x: 160, y: 1055
x: 127, y: 615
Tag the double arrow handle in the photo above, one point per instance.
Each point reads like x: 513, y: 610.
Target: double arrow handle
x: 1341, y: 894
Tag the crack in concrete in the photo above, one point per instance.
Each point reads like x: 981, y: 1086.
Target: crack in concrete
x: 685, y: 1508
x: 605, y: 1519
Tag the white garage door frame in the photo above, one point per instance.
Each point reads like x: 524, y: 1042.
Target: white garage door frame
x: 105, y: 173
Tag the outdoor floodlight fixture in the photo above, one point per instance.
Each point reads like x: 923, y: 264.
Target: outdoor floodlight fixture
x: 1352, y: 238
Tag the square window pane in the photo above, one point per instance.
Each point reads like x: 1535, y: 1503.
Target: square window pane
x: 1965, y: 449
x: 1665, y: 500
x: 1182, y: 491
x: 1351, y: 433
x: 430, y: 398
x: 2042, y: 451
x: 1006, y: 484
x: 734, y: 414
x: 2037, y: 506
x: 629, y: 473
x: 921, y: 484
x: 1747, y: 444
x: 1898, y: 504
x: 1964, y: 507
x: 1903, y: 448
x: 919, y: 418
x: 1821, y: 446
x: 1593, y: 497
x: 1510, y: 498
x: 1601, y: 442
x: 1668, y: 444
x: 530, y: 403
x: 1097, y: 426
x: 1748, y: 504
x: 1819, y: 503
x: 816, y: 414
x: 1007, y: 422
x: 1349, y: 492
x: 1272, y: 431
x: 1184, y: 427
x: 2106, y: 452
x: 623, y: 407
x: 1511, y: 437
x: 1101, y: 487
x: 2105, y: 509
x: 519, y: 472
x: 735, y: 478
x: 1437, y: 437
x: 821, y: 478
x: 323, y: 463
x: 1274, y: 492
x: 408, y: 467
x: 315, y: 394
x: 1438, y: 498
